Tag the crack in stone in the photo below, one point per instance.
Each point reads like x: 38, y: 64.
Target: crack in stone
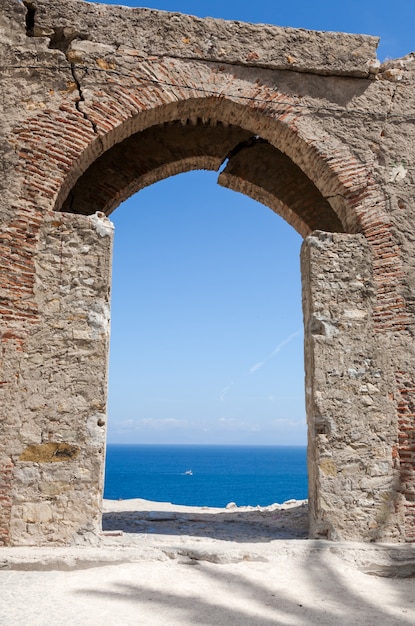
x: 30, y: 18
x: 335, y: 196
x: 81, y: 98
x: 389, y: 110
x: 248, y: 143
x: 60, y: 41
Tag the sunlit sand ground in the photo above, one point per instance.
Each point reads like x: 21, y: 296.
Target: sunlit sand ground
x: 159, y: 564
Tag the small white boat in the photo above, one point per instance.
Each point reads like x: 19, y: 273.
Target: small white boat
x: 188, y: 473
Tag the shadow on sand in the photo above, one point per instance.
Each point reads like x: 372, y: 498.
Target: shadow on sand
x: 312, y: 590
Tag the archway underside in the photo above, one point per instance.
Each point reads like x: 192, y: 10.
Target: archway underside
x: 251, y: 165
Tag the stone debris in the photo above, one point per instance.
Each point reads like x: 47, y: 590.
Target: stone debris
x: 238, y: 523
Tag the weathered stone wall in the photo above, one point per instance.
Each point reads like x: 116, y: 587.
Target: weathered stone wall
x: 354, y: 482
x: 57, y: 397
x: 100, y: 101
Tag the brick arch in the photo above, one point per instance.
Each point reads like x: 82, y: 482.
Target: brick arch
x: 168, y: 149
x: 115, y: 112
x: 56, y: 149
x: 340, y: 179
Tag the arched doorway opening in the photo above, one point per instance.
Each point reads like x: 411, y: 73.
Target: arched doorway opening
x: 203, y: 268
x: 207, y: 341
x: 244, y: 161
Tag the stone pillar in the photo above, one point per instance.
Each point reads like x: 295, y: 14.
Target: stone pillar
x: 57, y: 447
x: 352, y: 432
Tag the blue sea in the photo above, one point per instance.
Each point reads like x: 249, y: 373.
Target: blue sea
x: 206, y: 475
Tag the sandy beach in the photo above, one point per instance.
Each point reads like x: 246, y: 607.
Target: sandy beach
x: 158, y: 564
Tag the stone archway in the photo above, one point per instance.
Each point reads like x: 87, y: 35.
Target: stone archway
x: 102, y: 109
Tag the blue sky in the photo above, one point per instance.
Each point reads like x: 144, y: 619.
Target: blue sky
x: 207, y: 340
